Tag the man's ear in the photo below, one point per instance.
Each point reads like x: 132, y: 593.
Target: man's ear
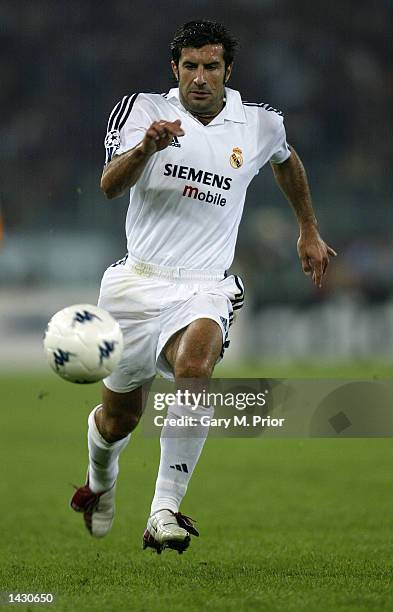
x: 175, y: 70
x: 228, y: 72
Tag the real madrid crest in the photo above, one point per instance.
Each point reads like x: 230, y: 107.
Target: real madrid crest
x: 236, y: 158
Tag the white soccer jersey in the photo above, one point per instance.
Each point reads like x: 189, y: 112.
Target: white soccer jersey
x: 186, y: 207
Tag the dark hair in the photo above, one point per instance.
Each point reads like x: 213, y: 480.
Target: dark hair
x: 196, y: 34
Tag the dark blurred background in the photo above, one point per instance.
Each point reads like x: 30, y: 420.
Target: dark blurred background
x: 326, y: 65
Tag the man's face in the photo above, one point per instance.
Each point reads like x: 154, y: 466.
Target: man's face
x: 201, y: 75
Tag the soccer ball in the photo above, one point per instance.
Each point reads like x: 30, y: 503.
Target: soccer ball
x: 83, y: 343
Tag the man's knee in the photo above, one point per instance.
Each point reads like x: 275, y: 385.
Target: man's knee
x: 191, y: 367
x: 194, y: 352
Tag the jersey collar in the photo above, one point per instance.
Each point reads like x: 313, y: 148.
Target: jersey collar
x: 232, y: 111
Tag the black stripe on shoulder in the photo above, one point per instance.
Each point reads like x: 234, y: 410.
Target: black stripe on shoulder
x: 121, y: 112
x: 265, y: 106
x: 127, y: 110
x: 117, y: 119
x: 114, y: 114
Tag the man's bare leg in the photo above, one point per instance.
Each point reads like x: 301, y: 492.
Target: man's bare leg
x: 110, y: 425
x: 192, y: 353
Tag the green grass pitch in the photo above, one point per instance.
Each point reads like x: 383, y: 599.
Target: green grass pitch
x: 286, y: 525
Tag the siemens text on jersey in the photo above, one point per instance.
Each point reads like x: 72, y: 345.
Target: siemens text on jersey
x: 200, y: 176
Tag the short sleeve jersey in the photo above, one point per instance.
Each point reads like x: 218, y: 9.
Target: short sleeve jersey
x: 186, y: 207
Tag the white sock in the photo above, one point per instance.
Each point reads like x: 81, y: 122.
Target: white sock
x: 179, y: 456
x: 103, y: 457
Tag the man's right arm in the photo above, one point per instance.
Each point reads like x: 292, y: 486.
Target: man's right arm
x: 124, y: 170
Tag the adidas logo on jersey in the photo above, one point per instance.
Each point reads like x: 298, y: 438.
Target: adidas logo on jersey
x: 175, y: 142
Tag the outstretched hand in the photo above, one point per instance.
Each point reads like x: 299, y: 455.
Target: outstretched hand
x: 159, y: 135
x: 314, y: 254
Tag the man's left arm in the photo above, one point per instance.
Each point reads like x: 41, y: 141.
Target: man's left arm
x: 313, y: 252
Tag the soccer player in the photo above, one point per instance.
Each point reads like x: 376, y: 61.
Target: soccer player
x: 187, y: 158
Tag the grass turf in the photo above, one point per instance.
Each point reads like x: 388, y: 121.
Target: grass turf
x: 286, y: 525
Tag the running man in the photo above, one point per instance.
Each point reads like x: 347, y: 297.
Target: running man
x: 187, y: 158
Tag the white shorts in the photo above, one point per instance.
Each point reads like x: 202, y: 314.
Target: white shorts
x: 151, y: 303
